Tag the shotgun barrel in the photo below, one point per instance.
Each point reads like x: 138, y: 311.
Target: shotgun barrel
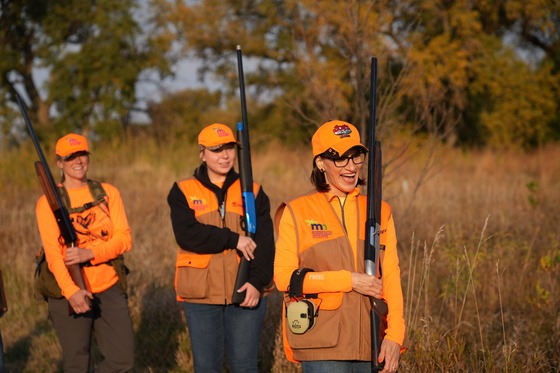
x: 246, y: 179
x: 373, y: 225
x: 52, y: 194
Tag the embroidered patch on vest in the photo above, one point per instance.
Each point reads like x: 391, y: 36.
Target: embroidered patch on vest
x: 318, y: 230
x: 198, y: 204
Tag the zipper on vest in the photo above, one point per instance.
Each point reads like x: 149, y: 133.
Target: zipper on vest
x: 342, y: 212
x: 223, y: 211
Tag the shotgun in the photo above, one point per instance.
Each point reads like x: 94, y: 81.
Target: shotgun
x: 249, y: 222
x: 373, y: 226
x: 52, y: 194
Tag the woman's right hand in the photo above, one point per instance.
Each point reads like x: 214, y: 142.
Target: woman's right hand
x: 247, y: 247
x: 80, y: 301
x: 367, y: 285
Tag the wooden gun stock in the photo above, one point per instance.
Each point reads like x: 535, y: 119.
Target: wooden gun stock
x: 63, y: 220
x: 50, y: 190
x: 3, y: 302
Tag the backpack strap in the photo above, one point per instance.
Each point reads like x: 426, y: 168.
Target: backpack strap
x: 99, y: 196
x: 97, y: 192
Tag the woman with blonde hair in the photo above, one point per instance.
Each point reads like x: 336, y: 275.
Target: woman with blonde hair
x: 100, y: 309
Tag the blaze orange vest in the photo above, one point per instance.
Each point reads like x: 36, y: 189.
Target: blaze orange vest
x: 342, y: 329
x: 210, y: 278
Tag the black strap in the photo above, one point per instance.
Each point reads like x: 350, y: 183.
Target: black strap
x: 296, y: 283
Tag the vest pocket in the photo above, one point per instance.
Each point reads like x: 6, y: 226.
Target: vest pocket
x: 191, y: 282
x: 330, y: 301
x: 325, y: 333
x: 192, y: 275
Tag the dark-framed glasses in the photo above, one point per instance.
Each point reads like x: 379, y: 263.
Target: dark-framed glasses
x: 357, y: 159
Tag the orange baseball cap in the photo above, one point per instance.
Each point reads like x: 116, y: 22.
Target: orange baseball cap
x: 215, y: 135
x: 335, y: 138
x: 71, y: 144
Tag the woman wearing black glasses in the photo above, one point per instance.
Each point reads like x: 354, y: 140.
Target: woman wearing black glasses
x: 206, y: 215
x: 323, y: 232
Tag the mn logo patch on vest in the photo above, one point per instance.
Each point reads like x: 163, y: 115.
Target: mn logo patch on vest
x: 318, y: 230
x: 198, y: 204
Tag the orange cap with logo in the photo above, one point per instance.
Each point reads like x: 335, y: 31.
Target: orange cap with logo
x: 215, y: 135
x: 335, y: 138
x: 71, y: 144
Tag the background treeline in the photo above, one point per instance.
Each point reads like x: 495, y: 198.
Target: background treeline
x: 471, y: 72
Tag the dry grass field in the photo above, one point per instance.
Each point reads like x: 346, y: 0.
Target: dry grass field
x: 478, y: 241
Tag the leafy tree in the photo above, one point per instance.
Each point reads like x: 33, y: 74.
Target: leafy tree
x: 312, y: 57
x: 92, y: 52
x: 182, y: 115
x: 516, y: 104
x: 532, y: 29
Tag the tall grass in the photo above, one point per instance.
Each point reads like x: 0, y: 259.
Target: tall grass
x: 478, y: 243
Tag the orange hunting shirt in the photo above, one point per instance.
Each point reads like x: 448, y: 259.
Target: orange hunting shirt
x: 324, y: 233
x: 103, y: 229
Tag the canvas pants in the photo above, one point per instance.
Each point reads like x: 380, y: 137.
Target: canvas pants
x: 108, y: 322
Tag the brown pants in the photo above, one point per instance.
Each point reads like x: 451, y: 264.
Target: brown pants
x: 110, y: 324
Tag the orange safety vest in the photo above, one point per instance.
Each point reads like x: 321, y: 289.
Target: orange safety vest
x: 342, y: 329
x: 210, y: 278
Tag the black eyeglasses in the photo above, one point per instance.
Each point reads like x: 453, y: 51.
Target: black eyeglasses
x: 220, y: 148
x: 357, y: 159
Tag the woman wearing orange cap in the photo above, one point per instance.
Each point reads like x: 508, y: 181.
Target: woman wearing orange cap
x: 206, y: 215
x: 323, y: 232
x: 103, y: 235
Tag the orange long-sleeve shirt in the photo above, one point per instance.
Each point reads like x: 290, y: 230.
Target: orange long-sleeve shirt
x: 103, y: 229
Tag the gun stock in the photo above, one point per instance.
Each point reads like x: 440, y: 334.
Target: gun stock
x: 246, y: 179
x: 3, y: 302
x: 50, y: 190
x: 372, y: 247
x: 63, y: 220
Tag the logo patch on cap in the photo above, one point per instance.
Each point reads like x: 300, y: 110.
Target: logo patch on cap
x: 220, y: 132
x: 72, y: 141
x: 342, y: 130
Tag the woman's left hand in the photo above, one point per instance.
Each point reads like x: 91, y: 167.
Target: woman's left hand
x: 77, y: 255
x: 390, y: 352
x: 367, y: 285
x: 252, y: 295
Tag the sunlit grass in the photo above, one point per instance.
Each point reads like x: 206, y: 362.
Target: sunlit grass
x: 478, y: 242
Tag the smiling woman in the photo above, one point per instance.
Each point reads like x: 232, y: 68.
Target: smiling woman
x: 323, y: 232
x: 206, y: 211
x: 99, y: 303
